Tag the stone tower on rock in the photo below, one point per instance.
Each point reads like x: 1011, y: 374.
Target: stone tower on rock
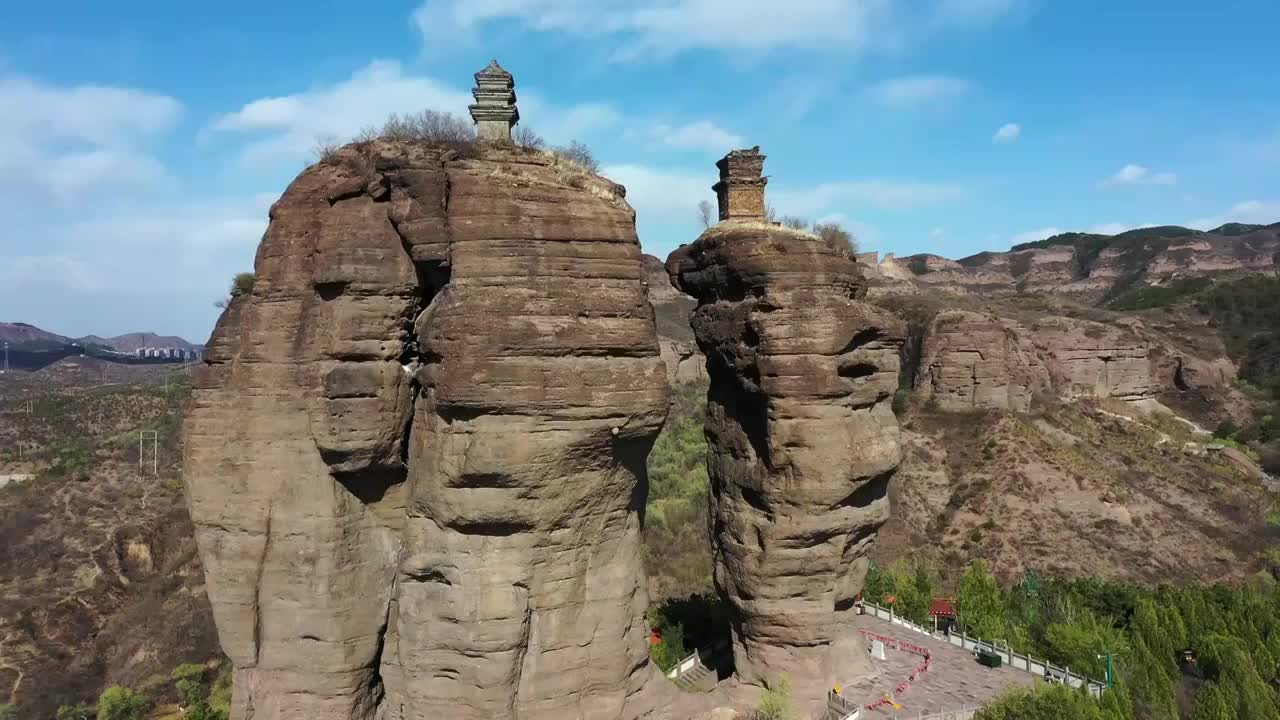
x: 802, y: 439
x: 740, y: 192
x: 494, y: 111
x: 415, y: 452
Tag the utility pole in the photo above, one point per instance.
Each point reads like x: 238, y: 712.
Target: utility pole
x: 6, y: 358
x: 154, y: 437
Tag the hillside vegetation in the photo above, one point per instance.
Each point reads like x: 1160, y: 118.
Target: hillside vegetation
x: 100, y: 583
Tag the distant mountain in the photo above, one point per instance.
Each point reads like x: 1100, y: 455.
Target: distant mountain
x: 31, y: 348
x: 1105, y: 265
x: 132, y: 342
x: 15, y: 333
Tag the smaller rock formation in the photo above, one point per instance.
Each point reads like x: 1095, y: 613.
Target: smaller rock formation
x: 672, y: 309
x: 973, y: 361
x: 801, y: 437
x: 1092, y: 360
x: 494, y: 111
x: 979, y: 362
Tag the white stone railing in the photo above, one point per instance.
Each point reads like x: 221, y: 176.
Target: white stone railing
x: 1025, y: 663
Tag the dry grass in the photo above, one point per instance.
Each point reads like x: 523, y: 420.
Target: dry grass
x: 1113, y: 502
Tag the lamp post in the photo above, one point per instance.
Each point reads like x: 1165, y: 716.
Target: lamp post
x: 1111, y: 673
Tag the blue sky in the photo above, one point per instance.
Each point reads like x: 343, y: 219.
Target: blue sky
x: 142, y: 142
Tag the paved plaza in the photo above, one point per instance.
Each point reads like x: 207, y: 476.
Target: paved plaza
x: 954, y: 680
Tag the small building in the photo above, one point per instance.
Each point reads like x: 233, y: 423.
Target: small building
x: 943, y: 614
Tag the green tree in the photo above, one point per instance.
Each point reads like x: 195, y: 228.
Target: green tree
x: 188, y: 680
x: 979, y: 603
x: 1212, y: 703
x: 76, y: 712
x: 204, y: 711
x: 8, y: 711
x: 121, y: 703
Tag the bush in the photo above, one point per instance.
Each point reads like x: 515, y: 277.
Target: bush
x: 578, y: 154
x: 836, y: 237
x: 8, y: 711
x: 525, y: 137
x: 203, y: 711
x: 242, y: 283
x: 1226, y: 429
x: 326, y: 148
x: 795, y: 223
x: 775, y: 702
x: 427, y: 126
x: 121, y: 703
x: 76, y: 712
x: 188, y: 680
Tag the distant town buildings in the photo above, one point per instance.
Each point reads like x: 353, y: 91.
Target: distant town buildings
x: 168, y: 353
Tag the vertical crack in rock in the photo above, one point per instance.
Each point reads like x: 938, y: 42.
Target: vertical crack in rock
x: 802, y: 441
x: 541, y: 386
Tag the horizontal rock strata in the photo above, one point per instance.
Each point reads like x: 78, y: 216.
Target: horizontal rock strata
x: 415, y: 456
x: 802, y: 441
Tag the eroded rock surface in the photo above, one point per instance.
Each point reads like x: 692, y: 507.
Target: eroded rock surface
x: 802, y: 441
x: 415, y: 456
x: 976, y: 361
x: 1085, y: 263
x: 973, y: 361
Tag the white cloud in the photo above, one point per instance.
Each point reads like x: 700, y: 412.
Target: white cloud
x: 661, y: 27
x: 882, y: 194
x: 1139, y: 175
x: 292, y: 124
x: 973, y: 11
x: 937, y: 233
x: 1250, y: 211
x: 1007, y: 133
x: 92, y: 114
x: 914, y: 90
x: 23, y: 273
x: 68, y: 140
x: 662, y: 193
x: 701, y: 135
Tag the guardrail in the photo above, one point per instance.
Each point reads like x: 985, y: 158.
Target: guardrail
x: 1017, y: 661
x: 691, y: 669
x: 840, y: 707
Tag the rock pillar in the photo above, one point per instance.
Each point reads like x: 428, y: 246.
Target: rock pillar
x: 415, y: 455
x: 802, y: 441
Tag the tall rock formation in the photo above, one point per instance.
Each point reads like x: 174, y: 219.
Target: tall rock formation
x: 802, y: 438
x: 415, y: 456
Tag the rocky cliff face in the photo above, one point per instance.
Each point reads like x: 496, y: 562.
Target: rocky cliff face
x: 672, y: 309
x: 974, y: 361
x: 1085, y: 263
x: 802, y: 440
x: 415, y: 457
